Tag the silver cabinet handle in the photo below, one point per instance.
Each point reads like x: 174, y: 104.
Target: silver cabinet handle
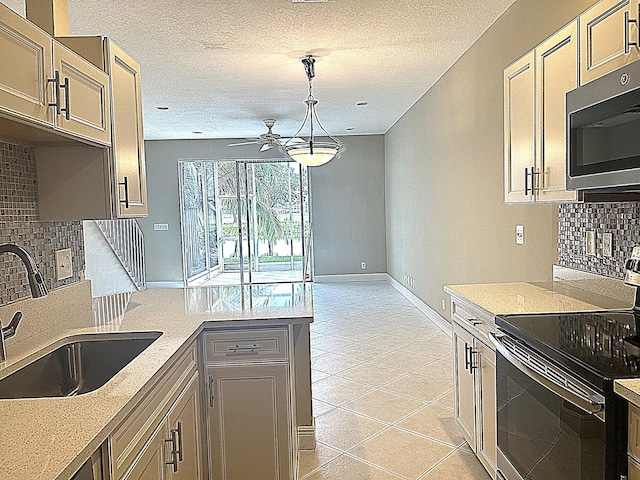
x: 174, y: 455
x: 125, y: 184
x: 526, y: 181
x: 67, y: 112
x: 244, y: 348
x: 627, y: 42
x: 211, y: 396
x: 179, y: 433
x: 590, y: 402
x: 56, y: 92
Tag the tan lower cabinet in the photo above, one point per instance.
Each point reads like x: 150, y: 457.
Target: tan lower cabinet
x: 633, y: 443
x: 151, y: 460
x: 475, y: 381
x: 184, y: 427
x: 249, y: 422
x: 249, y: 404
x: 161, y: 438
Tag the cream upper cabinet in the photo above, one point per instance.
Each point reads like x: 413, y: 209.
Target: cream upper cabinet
x: 519, y: 130
x: 24, y: 86
x: 81, y: 95
x: 126, y: 155
x: 556, y: 67
x: 128, y: 140
x: 535, y: 143
x: 609, y: 37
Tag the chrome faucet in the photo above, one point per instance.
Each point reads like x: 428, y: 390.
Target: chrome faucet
x: 36, y: 284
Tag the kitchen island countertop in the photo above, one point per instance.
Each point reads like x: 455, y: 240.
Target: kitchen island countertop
x: 50, y: 438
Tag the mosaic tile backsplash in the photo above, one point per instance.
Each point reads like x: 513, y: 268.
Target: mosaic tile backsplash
x: 575, y: 219
x: 19, y: 223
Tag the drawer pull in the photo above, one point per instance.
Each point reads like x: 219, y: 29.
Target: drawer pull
x: 245, y: 348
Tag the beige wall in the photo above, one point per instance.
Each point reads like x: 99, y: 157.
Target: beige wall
x: 445, y: 216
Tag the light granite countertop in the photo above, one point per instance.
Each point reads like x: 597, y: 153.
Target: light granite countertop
x: 50, y: 438
x: 544, y: 297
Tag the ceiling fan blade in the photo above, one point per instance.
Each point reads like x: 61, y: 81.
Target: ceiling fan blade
x: 242, y: 143
x: 265, y: 147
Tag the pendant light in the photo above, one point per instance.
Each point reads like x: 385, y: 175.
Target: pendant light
x: 312, y: 153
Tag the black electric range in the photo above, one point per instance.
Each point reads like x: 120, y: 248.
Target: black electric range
x: 598, y: 347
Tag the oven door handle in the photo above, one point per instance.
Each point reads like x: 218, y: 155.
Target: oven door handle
x: 594, y: 406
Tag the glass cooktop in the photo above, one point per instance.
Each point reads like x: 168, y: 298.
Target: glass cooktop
x: 599, y: 346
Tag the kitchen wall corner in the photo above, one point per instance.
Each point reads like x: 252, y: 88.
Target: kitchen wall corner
x: 20, y: 223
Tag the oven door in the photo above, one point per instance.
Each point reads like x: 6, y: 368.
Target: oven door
x: 550, y: 426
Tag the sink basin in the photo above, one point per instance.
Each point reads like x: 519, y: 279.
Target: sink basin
x: 77, y: 367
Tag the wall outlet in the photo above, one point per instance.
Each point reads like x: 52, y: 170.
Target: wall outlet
x: 591, y: 242
x: 520, y: 234
x: 405, y: 278
x: 607, y: 244
x: 64, y: 264
x: 443, y: 304
x: 161, y: 226
x: 363, y: 265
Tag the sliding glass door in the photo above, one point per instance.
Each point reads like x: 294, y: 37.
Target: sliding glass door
x: 244, y: 221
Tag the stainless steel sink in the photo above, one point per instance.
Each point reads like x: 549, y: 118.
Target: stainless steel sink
x: 77, y: 367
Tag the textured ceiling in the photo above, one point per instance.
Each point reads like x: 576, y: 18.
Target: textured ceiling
x: 222, y: 66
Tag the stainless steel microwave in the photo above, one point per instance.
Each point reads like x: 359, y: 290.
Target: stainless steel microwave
x: 603, y: 133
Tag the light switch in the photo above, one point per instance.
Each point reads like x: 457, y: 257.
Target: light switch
x: 591, y: 242
x: 607, y: 244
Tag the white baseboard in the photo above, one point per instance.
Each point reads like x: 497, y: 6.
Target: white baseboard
x: 307, y: 436
x: 434, y: 316
x: 352, y: 277
x: 165, y: 284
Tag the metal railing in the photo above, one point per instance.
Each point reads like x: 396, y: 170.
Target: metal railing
x: 127, y: 241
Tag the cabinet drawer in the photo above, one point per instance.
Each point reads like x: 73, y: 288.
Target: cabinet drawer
x: 248, y: 344
x: 136, y: 429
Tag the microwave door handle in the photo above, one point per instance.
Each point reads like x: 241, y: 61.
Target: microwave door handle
x: 589, y: 405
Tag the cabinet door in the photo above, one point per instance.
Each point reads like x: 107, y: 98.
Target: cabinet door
x: 486, y: 402
x: 25, y: 56
x: 556, y: 73
x: 634, y: 469
x: 86, y: 97
x: 249, y: 422
x: 464, y: 391
x: 519, y: 129
x: 184, y: 420
x: 150, y: 464
x: 607, y: 32
x: 127, y: 135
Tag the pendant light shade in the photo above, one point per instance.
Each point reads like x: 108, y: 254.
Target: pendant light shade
x: 310, y: 152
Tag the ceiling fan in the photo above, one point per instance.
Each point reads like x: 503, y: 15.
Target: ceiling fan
x: 266, y: 140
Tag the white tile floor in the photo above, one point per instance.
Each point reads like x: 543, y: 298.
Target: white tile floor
x: 382, y: 390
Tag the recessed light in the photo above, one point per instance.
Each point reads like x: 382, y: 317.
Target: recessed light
x: 350, y: 129
x: 162, y: 108
x: 198, y: 133
x: 362, y: 104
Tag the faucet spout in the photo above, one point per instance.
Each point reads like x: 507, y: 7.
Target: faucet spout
x: 36, y: 282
